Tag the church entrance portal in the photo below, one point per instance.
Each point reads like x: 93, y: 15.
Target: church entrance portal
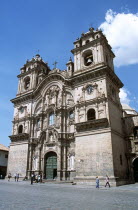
x: 135, y: 165
x: 51, y: 165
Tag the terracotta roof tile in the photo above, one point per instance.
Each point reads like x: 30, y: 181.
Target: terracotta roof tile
x: 2, y: 147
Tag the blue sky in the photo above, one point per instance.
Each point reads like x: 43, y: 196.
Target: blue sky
x: 52, y: 27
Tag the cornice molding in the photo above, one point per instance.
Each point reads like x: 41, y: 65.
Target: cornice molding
x: 92, y: 125
x: 19, y: 137
x: 76, y: 79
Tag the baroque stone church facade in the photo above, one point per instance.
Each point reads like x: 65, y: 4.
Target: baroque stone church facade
x: 68, y: 124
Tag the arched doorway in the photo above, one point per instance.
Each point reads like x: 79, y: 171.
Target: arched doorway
x: 51, y: 165
x: 135, y: 165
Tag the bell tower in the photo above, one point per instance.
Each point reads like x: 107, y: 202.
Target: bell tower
x: 32, y: 74
x: 92, y: 50
x: 99, y: 143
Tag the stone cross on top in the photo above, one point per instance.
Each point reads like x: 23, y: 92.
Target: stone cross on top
x: 55, y: 64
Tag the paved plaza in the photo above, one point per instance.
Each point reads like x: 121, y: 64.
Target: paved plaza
x: 51, y: 196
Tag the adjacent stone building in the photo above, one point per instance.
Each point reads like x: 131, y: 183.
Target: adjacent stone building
x: 68, y: 125
x: 4, y: 151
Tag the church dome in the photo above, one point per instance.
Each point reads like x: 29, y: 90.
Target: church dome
x: 129, y: 110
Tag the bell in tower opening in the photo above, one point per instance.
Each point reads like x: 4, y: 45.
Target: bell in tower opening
x: 88, y: 58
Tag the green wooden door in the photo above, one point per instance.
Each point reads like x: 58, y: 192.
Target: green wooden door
x: 51, y: 165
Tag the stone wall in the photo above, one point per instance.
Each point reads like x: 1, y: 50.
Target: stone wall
x: 119, y: 157
x: 93, y: 155
x: 17, y: 162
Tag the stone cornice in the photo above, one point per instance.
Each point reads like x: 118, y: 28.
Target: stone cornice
x: 27, y: 72
x: 77, y: 78
x: 22, y: 98
x: 19, y: 137
x: 100, y: 40
x: 34, y: 68
x: 93, y: 42
x: 92, y: 125
x: 101, y: 71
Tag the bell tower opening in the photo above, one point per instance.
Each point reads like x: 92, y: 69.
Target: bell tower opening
x: 20, y: 129
x: 26, y: 83
x: 91, y: 114
x: 88, y: 58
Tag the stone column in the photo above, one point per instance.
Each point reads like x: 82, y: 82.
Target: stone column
x: 101, y: 53
x: 60, y: 115
x: 85, y: 114
x: 83, y: 94
x: 30, y: 161
x: 64, y: 121
x: 48, y: 99
x: 64, y: 162
x: 43, y: 100
x: 64, y: 99
x: 78, y: 118
x: 56, y: 98
x: 13, y: 128
x: 104, y: 105
x: 39, y: 157
x: 41, y: 123
x: 19, y: 86
x: 97, y: 113
x: 28, y: 127
x: 59, y: 164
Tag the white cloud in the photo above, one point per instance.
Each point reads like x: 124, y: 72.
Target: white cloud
x: 124, y: 96
x: 121, y: 30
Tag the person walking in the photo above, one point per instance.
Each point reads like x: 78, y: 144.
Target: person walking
x: 107, y: 181
x: 38, y: 178
x: 41, y: 178
x: 97, y: 182
x: 17, y: 177
x: 9, y: 176
x: 32, y: 178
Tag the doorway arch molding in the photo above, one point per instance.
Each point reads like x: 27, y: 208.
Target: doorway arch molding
x: 134, y: 159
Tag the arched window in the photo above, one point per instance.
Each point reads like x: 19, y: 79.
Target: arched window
x: 26, y: 83
x: 51, y: 118
x: 20, y: 129
x: 91, y: 114
x: 71, y: 114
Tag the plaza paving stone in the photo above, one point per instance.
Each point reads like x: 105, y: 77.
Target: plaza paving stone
x: 51, y: 196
